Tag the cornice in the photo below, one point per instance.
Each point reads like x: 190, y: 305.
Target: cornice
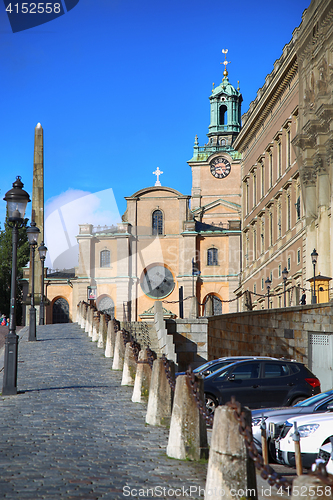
x: 284, y: 72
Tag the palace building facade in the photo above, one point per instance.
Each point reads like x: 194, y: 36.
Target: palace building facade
x: 286, y: 146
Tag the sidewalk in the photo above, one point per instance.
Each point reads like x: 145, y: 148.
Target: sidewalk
x: 73, y: 433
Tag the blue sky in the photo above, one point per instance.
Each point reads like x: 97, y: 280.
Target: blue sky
x: 121, y: 88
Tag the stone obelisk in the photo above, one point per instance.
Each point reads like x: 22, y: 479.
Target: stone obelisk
x: 37, y: 211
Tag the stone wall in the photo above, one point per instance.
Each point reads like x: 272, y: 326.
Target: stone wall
x: 274, y: 332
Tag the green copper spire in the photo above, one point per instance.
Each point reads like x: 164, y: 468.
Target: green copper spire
x: 225, y: 118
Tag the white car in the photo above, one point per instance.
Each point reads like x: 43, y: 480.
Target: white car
x: 326, y: 454
x: 314, y: 430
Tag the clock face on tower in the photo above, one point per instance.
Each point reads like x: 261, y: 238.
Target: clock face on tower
x: 220, y: 167
x: 157, y: 282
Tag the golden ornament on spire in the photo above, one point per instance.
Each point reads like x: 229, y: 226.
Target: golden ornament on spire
x: 225, y: 62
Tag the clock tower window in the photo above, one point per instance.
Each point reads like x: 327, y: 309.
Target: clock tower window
x: 223, y: 115
x: 212, y: 257
x: 157, y: 222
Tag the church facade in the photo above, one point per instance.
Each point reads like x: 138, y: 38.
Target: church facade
x: 170, y: 246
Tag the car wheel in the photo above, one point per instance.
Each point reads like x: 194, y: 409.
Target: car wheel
x: 297, y: 400
x: 211, y: 404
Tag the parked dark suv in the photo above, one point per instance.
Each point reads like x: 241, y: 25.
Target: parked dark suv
x: 260, y: 383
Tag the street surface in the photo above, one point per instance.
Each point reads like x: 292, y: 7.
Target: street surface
x: 73, y: 432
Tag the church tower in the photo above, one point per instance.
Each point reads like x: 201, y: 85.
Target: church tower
x: 216, y: 201
x: 225, y: 113
x: 215, y: 164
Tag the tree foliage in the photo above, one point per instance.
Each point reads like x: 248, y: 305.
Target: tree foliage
x: 23, y: 254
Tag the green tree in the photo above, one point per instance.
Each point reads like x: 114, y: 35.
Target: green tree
x: 23, y: 255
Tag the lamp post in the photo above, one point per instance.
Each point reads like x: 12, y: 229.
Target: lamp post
x: 42, y: 255
x: 284, y: 276
x: 32, y: 233
x: 314, y: 257
x: 17, y: 200
x: 268, y: 286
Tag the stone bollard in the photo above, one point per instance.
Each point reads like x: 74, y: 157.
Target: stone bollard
x: 95, y: 327
x: 311, y: 487
x: 142, y: 379
x: 88, y: 321
x: 91, y: 321
x: 110, y: 339
x: 188, y: 431
x: 160, y: 395
x: 119, y: 352
x: 101, y: 332
x: 129, y: 368
x: 230, y: 469
x: 78, y: 313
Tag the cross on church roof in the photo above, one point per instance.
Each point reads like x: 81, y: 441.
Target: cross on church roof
x: 225, y: 62
x: 158, y: 172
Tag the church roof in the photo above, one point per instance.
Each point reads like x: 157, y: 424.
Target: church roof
x: 226, y: 88
x: 153, y: 189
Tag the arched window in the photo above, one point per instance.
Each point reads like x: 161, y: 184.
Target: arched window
x: 105, y: 258
x: 213, y: 306
x: 157, y: 222
x: 212, y: 257
x: 223, y: 112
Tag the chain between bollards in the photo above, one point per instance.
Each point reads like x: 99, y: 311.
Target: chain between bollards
x: 195, y: 394
x: 171, y: 380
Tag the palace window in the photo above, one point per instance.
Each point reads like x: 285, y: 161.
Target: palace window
x: 212, y: 257
x: 105, y: 258
x: 246, y: 197
x: 254, y: 189
x: 279, y: 220
x: 288, y: 212
x: 262, y: 180
x: 157, y: 222
x: 270, y: 229
x: 279, y: 159
x: 270, y: 169
x: 288, y: 140
x: 262, y: 237
x: 254, y: 243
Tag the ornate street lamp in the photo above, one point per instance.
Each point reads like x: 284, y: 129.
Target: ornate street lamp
x: 284, y: 276
x: 32, y: 233
x: 314, y: 257
x: 42, y: 255
x: 268, y: 286
x: 17, y: 200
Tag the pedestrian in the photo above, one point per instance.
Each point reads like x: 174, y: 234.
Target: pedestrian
x: 303, y: 299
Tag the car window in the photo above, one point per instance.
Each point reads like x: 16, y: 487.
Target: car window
x: 293, y: 368
x: 323, y: 406
x: 314, y: 399
x: 202, y: 367
x: 247, y: 371
x: 217, y: 366
x: 273, y: 370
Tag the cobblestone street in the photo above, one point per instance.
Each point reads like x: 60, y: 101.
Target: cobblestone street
x: 72, y: 432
